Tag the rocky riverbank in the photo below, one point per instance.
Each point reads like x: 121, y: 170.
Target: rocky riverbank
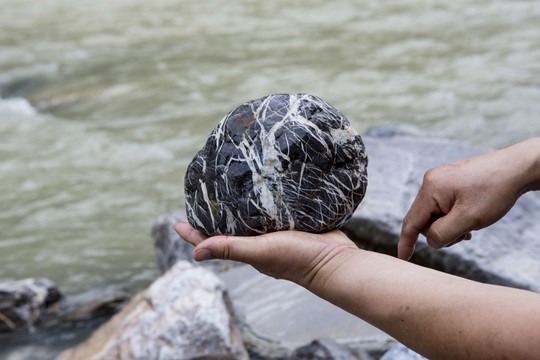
x: 226, y: 310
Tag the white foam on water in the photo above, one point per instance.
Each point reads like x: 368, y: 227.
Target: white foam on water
x: 16, y: 106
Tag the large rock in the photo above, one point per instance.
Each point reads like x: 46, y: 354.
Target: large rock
x: 171, y: 248
x: 288, y: 316
x: 400, y: 352
x: 95, y: 303
x: 327, y: 349
x: 505, y: 253
x: 185, y: 314
x: 277, y: 163
x: 276, y: 316
x: 24, y: 304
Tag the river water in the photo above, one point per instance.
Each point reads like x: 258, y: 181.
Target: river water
x: 104, y: 103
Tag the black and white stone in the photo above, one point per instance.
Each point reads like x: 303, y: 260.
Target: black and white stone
x: 281, y: 162
x: 25, y: 303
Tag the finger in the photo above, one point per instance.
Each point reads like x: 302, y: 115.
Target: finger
x: 406, y: 247
x: 434, y: 217
x: 237, y: 248
x: 450, y: 228
x: 420, y: 216
x: 466, y: 236
x: 189, y: 234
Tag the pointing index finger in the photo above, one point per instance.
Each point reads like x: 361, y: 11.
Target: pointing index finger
x: 418, y: 219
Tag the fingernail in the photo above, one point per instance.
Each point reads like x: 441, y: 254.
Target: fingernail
x: 203, y: 254
x: 432, y: 243
x: 450, y: 244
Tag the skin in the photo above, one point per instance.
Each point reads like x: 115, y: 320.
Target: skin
x: 440, y: 316
x: 468, y: 195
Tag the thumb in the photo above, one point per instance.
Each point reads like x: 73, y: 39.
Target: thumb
x: 237, y: 248
x: 449, y: 229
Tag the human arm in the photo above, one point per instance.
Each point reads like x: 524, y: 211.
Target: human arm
x: 438, y: 315
x: 468, y: 195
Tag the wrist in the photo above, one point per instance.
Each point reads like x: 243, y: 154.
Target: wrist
x: 529, y: 152
x: 329, y: 276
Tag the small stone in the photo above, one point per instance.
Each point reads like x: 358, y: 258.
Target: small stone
x: 24, y: 303
x: 281, y: 162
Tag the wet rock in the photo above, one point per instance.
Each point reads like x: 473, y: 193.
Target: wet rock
x: 278, y: 316
x: 97, y: 303
x: 24, y: 304
x: 171, y: 248
x: 326, y: 349
x: 505, y: 253
x: 400, y: 352
x: 277, y: 163
x: 184, y: 314
x: 168, y: 245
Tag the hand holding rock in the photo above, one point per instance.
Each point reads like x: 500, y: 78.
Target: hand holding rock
x: 292, y: 255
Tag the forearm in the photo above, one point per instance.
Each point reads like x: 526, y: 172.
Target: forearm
x: 528, y: 153
x: 439, y: 315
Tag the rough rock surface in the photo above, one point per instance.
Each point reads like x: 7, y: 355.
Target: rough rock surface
x: 277, y: 163
x: 23, y: 304
x: 400, y: 352
x: 505, y: 253
x: 289, y: 316
x: 171, y: 248
x: 96, y: 303
x: 185, y: 314
x: 276, y: 315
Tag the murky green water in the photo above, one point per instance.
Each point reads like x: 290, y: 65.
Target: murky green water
x: 104, y: 103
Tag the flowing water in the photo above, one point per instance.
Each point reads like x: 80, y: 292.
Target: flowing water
x: 104, y: 103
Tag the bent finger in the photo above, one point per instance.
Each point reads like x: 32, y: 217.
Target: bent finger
x: 454, y: 226
x: 466, y: 236
x: 422, y: 213
x: 417, y: 221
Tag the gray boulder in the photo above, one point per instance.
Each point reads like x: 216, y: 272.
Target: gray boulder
x: 279, y: 316
x: 505, y: 253
x: 95, y: 303
x: 276, y: 316
x: 327, y: 349
x: 171, y: 248
x: 400, y: 352
x: 24, y: 304
x: 184, y: 314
